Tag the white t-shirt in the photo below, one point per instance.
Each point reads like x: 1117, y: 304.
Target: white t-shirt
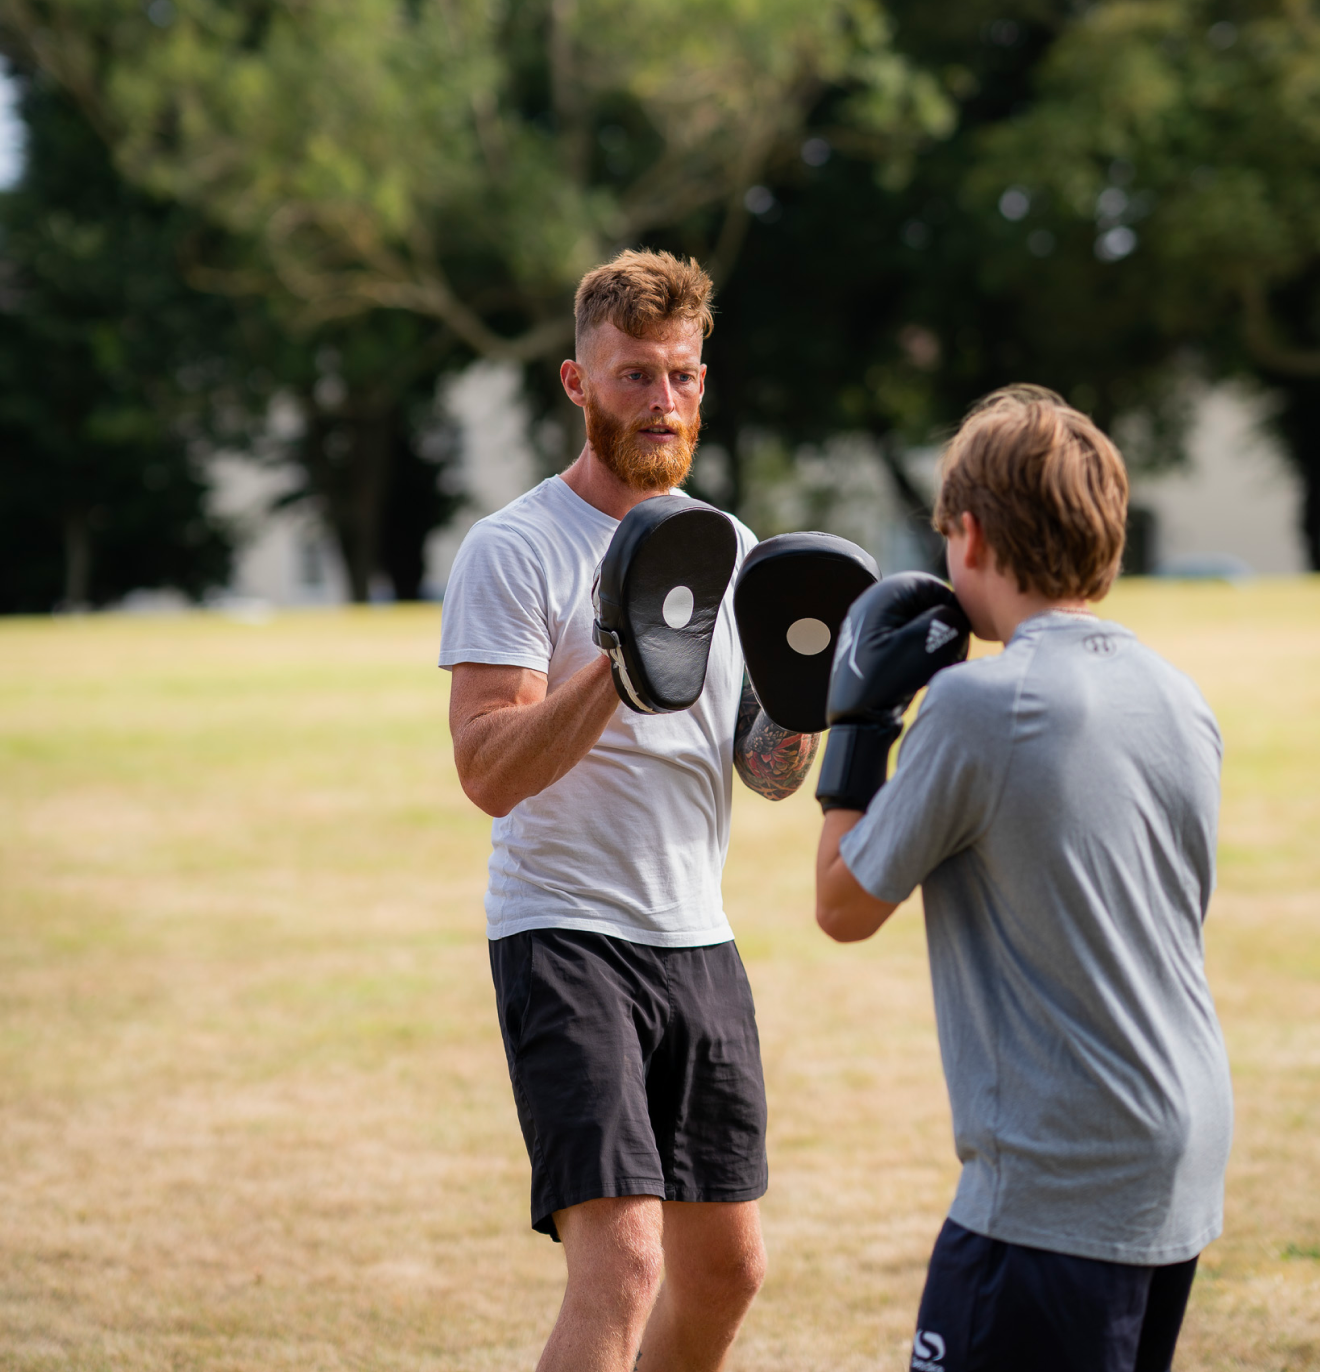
x: 631, y: 842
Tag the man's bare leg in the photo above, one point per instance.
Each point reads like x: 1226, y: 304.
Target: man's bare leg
x: 714, y: 1266
x: 615, y: 1263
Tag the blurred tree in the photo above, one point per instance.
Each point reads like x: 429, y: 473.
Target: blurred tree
x: 866, y: 301
x: 366, y: 440
x: 111, y: 363
x: 1182, y: 139
x: 98, y: 494
x: 468, y: 161
x: 1128, y: 193
x: 464, y: 162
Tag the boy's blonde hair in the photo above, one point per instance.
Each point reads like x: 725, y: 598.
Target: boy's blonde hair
x: 641, y: 291
x: 1048, y: 487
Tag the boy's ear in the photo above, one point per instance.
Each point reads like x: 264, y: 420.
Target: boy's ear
x: 976, y: 549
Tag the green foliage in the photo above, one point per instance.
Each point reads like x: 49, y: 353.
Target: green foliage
x: 468, y: 159
x: 98, y: 495
x: 1129, y: 191
x: 1196, y: 127
x: 1183, y: 138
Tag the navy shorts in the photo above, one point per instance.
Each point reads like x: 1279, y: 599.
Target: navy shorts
x: 636, y: 1071
x: 989, y: 1306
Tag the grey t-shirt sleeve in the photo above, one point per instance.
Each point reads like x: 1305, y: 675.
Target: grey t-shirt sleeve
x: 495, y: 606
x: 947, y: 781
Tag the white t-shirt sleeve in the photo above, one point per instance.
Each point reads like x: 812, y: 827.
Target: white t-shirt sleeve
x: 941, y: 796
x: 496, y: 604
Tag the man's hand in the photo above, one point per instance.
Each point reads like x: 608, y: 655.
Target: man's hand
x: 512, y: 740
x: 844, y: 908
x: 770, y: 760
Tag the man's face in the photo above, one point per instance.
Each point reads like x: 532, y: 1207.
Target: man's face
x: 642, y: 398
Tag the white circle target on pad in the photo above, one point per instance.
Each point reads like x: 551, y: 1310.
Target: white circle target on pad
x: 677, y: 608
x: 808, y: 636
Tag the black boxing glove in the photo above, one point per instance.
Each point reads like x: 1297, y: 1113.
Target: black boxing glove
x: 894, y: 639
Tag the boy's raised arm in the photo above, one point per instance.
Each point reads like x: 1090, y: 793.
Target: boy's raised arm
x: 895, y: 638
x: 844, y: 908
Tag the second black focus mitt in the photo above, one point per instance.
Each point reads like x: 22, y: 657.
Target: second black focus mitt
x: 792, y: 594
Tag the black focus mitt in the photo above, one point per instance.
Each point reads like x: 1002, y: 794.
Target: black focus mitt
x: 657, y: 597
x: 792, y: 594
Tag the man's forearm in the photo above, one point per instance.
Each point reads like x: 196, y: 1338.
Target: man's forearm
x: 515, y: 751
x: 771, y: 761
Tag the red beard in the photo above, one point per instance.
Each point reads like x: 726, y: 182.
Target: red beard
x: 636, y: 461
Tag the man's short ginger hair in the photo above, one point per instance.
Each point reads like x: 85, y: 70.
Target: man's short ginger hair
x: 642, y: 292
x: 1048, y: 488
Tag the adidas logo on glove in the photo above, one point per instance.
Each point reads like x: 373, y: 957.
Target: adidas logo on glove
x: 940, y: 634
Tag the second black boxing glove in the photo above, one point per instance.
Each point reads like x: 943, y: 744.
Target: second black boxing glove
x: 894, y: 639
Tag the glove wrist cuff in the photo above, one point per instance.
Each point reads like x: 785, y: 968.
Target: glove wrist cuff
x: 854, y: 766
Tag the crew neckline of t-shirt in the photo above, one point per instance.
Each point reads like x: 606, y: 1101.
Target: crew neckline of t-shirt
x: 1075, y: 616
x: 587, y: 505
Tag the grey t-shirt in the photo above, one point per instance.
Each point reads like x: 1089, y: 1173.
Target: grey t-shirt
x: 1058, y: 805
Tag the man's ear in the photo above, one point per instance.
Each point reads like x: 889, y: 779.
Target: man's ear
x: 574, y: 377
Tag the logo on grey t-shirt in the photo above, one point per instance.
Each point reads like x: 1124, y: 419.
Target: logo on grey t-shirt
x: 1102, y: 645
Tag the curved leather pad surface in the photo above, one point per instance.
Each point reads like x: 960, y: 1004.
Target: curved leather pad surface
x: 662, y: 581
x: 792, y: 595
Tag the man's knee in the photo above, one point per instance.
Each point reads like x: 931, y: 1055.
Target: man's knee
x: 614, y: 1251
x: 736, y: 1276
x: 728, y: 1272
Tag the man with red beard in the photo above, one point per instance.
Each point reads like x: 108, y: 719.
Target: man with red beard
x: 627, y: 1018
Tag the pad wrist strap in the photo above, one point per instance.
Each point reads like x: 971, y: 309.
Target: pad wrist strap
x: 854, y: 766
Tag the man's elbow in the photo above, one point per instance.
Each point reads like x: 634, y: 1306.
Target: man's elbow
x: 485, y: 792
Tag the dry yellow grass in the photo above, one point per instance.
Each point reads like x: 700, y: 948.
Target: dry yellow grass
x: 253, y: 1108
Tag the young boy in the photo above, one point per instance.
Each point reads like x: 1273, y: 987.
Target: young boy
x: 1058, y: 805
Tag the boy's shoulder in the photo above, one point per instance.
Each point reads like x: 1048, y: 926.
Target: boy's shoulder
x: 974, y: 689
x: 1066, y: 665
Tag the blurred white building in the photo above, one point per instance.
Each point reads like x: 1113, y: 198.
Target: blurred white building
x: 1232, y: 509
x: 285, y: 556
x: 1235, y: 505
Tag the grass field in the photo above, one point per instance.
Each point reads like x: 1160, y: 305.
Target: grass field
x: 253, y: 1108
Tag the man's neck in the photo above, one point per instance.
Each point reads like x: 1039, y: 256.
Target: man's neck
x: 591, y: 479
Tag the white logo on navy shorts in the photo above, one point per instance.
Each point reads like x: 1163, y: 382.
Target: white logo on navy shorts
x: 927, y: 1352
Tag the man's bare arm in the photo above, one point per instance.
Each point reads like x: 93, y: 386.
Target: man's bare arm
x: 844, y: 908
x: 770, y: 760
x: 512, y: 740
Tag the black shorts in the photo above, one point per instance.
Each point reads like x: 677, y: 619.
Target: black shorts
x: 990, y: 1305
x: 636, y: 1070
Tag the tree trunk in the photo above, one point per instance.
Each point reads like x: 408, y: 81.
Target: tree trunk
x: 917, y: 506
x: 1299, y: 425
x: 77, y: 560
x: 347, y: 456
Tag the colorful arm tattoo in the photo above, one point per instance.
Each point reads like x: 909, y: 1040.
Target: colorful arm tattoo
x: 771, y: 761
